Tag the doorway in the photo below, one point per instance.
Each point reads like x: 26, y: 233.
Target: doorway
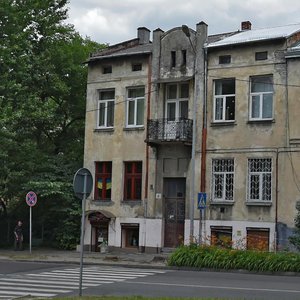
x: 174, y: 212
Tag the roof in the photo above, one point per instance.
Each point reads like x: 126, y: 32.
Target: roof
x: 126, y: 48
x: 294, y: 51
x: 255, y: 35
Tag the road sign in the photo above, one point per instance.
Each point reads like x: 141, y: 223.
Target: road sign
x: 82, y: 183
x: 31, y: 198
x: 201, y: 200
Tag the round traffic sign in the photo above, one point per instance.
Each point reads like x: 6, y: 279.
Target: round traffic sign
x: 82, y: 183
x: 31, y: 198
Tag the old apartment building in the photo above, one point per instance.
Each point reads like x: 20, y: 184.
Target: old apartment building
x: 187, y: 113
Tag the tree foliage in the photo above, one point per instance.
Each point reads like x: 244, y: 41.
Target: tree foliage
x: 42, y: 108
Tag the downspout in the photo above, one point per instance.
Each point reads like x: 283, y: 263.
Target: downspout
x: 202, y: 212
x: 204, y: 128
x: 276, y: 203
x: 147, y: 153
x: 148, y: 118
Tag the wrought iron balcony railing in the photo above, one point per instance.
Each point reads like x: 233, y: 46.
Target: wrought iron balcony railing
x: 162, y: 130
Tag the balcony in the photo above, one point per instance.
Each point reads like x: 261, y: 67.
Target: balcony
x: 164, y: 130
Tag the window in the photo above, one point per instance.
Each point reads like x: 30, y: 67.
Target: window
x: 130, y: 235
x: 224, y: 59
x: 183, y: 53
x: 106, y: 107
x: 107, y: 69
x: 258, y: 239
x: 224, y: 100
x: 223, y: 176
x: 103, y: 182
x: 136, y: 67
x: 221, y: 236
x: 135, y: 107
x: 261, y: 55
x: 260, y: 179
x: 177, y: 101
x: 173, y: 59
x: 261, y: 105
x: 133, y: 181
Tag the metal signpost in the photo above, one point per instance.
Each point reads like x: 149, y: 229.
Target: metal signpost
x: 82, y: 185
x: 31, y: 200
x: 201, y: 207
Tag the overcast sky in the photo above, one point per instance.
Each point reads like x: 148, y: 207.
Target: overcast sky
x: 114, y: 21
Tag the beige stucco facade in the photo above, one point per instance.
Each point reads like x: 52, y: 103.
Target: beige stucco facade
x: 181, y: 140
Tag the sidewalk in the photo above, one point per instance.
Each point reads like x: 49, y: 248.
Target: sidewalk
x: 114, y: 257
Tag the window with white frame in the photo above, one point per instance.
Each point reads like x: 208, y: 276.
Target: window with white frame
x: 224, y: 100
x: 106, y: 108
x: 177, y: 96
x: 223, y: 177
x: 261, y: 98
x: 135, y: 107
x: 260, y: 179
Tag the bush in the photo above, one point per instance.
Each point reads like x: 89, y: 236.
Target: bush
x: 230, y: 259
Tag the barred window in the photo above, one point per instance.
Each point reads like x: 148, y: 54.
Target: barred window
x: 260, y: 179
x: 223, y: 178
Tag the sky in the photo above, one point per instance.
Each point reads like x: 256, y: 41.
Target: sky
x: 114, y: 21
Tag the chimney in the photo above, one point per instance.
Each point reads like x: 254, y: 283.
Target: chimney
x: 143, y: 35
x: 246, y: 25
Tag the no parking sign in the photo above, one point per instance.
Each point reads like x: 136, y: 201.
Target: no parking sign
x: 31, y: 198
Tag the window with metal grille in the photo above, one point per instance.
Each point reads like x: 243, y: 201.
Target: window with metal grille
x: 103, y: 183
x: 133, y: 181
x: 221, y: 236
x: 260, y: 179
x: 223, y: 179
x: 261, y: 98
x: 106, y: 108
x: 224, y: 100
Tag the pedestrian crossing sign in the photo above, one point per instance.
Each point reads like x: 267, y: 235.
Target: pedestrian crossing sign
x: 201, y: 200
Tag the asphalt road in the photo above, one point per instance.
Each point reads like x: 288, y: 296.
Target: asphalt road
x: 20, y: 279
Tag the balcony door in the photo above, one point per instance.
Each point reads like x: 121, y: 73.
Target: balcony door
x: 176, y: 109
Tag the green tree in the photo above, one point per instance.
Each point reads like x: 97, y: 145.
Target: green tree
x: 42, y: 109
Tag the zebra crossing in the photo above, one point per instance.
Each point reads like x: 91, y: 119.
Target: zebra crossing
x: 61, y: 281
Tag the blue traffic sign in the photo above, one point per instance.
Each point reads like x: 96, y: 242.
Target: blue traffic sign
x: 201, y: 200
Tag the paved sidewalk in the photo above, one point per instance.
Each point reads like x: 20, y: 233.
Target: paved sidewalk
x: 114, y: 257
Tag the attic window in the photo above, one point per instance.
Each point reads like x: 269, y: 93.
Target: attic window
x: 261, y: 55
x: 183, y: 52
x: 136, y: 67
x: 224, y: 59
x: 107, y: 69
x: 173, y: 59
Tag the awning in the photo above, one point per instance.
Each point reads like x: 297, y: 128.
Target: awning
x: 98, y: 216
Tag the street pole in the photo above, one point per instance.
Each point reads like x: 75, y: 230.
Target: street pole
x: 82, y: 233
x: 30, y: 227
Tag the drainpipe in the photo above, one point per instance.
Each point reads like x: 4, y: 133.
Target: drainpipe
x: 147, y: 153
x: 276, y: 202
x: 203, y: 148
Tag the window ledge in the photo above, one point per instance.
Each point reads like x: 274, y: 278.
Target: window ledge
x: 261, y: 121
x: 258, y: 203
x: 104, y: 129
x: 131, y: 202
x: 216, y: 124
x: 134, y: 128
x: 222, y: 203
x: 102, y: 202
